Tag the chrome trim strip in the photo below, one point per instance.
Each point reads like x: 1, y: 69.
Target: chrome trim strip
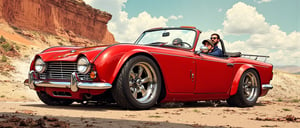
x: 74, y: 84
x: 267, y: 86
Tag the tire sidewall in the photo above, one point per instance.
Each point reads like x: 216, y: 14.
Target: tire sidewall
x: 125, y: 84
x: 243, y: 99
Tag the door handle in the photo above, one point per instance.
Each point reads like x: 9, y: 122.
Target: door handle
x: 230, y: 64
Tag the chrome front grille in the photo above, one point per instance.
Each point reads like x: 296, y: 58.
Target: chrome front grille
x: 62, y: 71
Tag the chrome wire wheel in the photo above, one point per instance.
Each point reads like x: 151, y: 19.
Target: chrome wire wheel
x: 250, y: 86
x: 142, y: 82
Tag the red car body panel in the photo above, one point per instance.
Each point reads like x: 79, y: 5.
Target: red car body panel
x: 186, y: 76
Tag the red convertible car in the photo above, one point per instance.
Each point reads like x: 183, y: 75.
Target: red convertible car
x: 150, y: 71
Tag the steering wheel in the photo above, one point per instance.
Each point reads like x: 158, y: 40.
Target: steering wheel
x: 185, y: 43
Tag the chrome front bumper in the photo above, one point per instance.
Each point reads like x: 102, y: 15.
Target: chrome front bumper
x: 267, y: 86
x: 74, y: 84
x: 265, y: 89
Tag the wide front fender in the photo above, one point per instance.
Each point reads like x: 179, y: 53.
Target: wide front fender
x: 123, y: 60
x: 109, y: 63
x: 237, y: 78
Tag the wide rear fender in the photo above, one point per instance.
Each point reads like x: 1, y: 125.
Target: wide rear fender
x: 237, y: 78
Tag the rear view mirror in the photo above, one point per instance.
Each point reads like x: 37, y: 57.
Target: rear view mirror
x: 165, y: 34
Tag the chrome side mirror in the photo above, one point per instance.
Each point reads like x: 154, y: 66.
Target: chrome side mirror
x: 203, y: 48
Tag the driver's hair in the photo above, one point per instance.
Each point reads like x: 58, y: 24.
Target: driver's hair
x: 215, y: 35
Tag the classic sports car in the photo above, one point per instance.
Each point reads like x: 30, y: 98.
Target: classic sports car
x: 152, y: 70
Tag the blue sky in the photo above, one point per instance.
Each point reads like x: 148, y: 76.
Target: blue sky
x: 267, y: 27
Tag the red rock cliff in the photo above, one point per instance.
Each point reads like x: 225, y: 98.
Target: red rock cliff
x: 58, y: 17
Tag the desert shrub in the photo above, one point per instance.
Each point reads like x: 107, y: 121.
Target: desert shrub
x: 2, y: 39
x: 15, y: 28
x: 7, y: 46
x: 4, y: 58
x: 296, y: 100
x: 60, y: 43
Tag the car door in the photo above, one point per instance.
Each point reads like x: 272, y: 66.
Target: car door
x: 213, y: 74
x: 178, y: 69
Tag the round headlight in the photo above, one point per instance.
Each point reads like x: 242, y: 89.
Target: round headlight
x: 83, y: 65
x: 40, y: 65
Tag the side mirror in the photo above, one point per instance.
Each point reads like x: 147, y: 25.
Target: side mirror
x: 203, y: 49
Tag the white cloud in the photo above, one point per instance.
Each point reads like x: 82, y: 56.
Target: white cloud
x: 89, y: 1
x: 127, y: 29
x: 262, y: 1
x: 244, y: 19
x: 175, y: 17
x: 220, y: 10
x: 283, y: 48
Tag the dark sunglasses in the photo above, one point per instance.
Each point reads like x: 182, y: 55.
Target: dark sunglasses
x: 213, y: 38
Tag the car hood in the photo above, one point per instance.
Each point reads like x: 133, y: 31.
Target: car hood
x: 71, y: 54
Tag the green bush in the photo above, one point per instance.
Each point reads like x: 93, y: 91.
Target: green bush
x: 4, y: 58
x: 7, y: 47
x: 2, y: 39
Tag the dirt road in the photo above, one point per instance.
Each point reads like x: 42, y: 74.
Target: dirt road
x: 265, y: 114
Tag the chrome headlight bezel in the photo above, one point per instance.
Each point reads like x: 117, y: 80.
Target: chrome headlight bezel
x: 40, y: 65
x: 83, y: 65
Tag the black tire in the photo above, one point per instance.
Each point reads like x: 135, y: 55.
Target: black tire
x: 138, y: 84
x: 47, y: 99
x: 248, y: 90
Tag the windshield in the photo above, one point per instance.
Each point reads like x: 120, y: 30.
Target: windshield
x: 172, y: 37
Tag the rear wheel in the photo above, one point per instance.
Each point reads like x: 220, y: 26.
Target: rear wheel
x: 138, y: 85
x: 248, y: 90
x: 49, y: 100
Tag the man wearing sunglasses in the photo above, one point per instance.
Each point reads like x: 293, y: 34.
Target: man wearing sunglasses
x: 215, y: 38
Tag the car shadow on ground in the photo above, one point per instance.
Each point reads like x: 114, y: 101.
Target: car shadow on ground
x: 8, y: 119
x: 114, y: 106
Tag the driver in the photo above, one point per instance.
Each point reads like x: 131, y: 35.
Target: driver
x: 212, y: 49
x: 177, y: 42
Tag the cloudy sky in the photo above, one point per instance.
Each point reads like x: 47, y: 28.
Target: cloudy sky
x: 265, y: 27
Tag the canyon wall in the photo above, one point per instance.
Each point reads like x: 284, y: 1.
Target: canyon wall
x: 58, y: 17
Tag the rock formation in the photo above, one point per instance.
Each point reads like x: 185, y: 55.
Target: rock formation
x: 59, y: 17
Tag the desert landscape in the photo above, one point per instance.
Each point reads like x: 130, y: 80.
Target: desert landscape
x: 20, y: 106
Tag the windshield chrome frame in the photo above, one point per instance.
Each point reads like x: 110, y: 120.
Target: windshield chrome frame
x: 171, y: 28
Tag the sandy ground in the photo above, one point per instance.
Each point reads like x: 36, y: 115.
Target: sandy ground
x: 264, y: 114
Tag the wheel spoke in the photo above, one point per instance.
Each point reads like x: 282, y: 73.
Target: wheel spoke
x: 132, y: 74
x: 145, y: 80
x: 135, y: 93
x: 143, y: 90
x: 141, y: 70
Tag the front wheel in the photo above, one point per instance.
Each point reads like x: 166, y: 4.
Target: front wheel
x: 248, y: 90
x: 138, y: 85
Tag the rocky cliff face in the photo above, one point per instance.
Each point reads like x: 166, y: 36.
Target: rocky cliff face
x: 59, y: 17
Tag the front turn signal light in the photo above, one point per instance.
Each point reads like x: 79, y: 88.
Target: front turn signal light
x: 93, y: 74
